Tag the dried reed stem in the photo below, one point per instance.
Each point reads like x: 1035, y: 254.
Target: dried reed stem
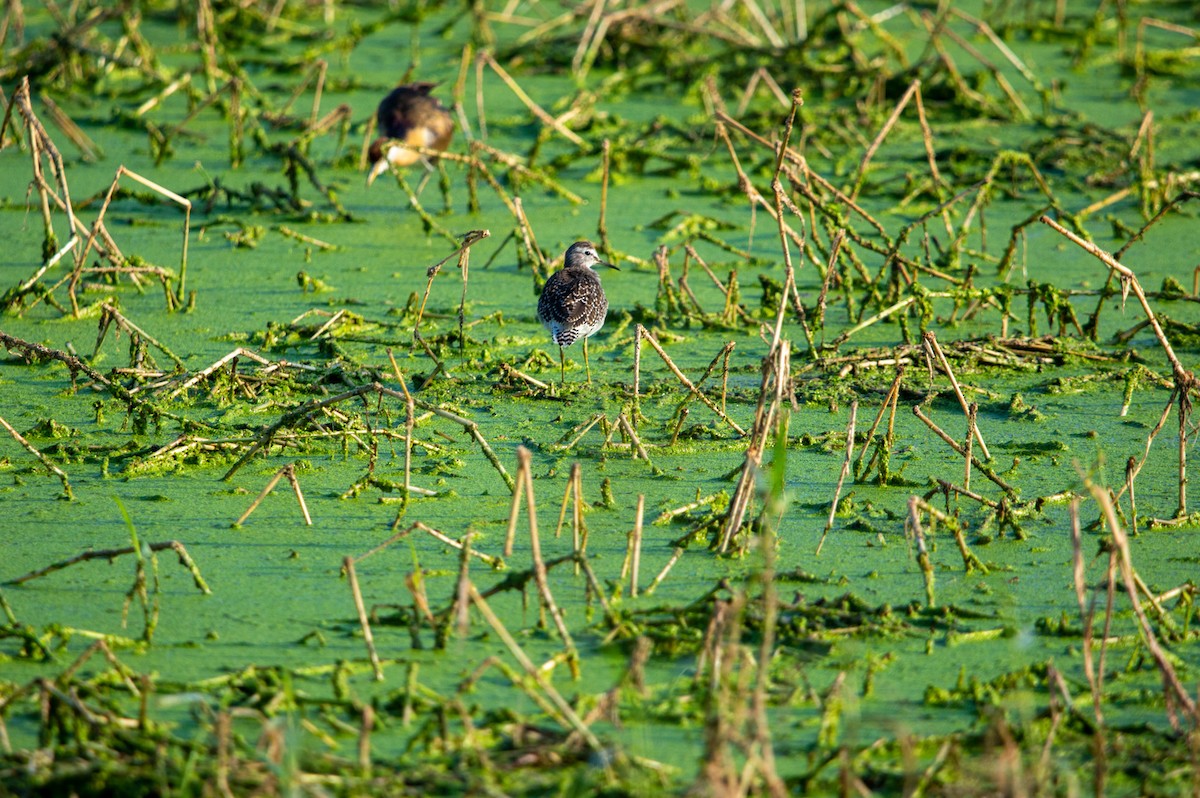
x: 846, y: 460
x: 567, y: 714
x: 888, y: 401
x: 867, y: 322
x: 932, y: 342
x: 562, y: 511
x: 579, y: 531
x: 207, y: 372
x: 913, y: 88
x: 970, y: 561
x: 185, y: 559
x: 186, y: 204
x: 602, y: 224
x: 666, y: 569
x: 775, y: 364
x: 58, y: 472
x: 538, y: 264
x: 538, y: 111
x: 913, y: 524
x: 110, y: 314
x: 515, y: 508
x: 539, y: 566
x: 597, y: 590
x: 635, y: 543
x: 643, y: 333
x: 509, y: 370
x: 638, y: 448
x: 494, y: 562
x: 579, y: 431
x: 467, y: 241
x: 958, y: 447
x: 348, y: 566
x: 410, y: 413
x: 364, y: 741
x: 1129, y: 281
x: 1173, y: 688
x: 1162, y: 422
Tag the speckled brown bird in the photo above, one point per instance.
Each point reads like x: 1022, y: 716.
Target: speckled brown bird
x: 409, y: 117
x: 573, y: 304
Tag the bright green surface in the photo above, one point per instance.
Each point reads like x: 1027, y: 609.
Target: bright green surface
x: 278, y: 598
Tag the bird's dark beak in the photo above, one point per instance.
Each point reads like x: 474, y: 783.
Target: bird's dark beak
x: 609, y: 265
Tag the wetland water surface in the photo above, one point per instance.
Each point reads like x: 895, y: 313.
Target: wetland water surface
x: 293, y: 500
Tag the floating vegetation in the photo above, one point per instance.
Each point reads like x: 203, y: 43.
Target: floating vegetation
x: 880, y: 485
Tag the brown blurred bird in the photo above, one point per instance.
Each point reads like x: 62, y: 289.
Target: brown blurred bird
x: 408, y: 117
x: 573, y: 304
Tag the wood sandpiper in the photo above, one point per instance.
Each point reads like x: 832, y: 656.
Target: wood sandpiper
x: 573, y: 304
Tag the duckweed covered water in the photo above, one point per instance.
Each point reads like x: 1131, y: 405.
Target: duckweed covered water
x: 894, y: 660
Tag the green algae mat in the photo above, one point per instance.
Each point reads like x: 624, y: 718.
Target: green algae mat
x: 880, y: 484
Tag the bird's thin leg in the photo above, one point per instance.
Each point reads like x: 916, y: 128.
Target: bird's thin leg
x: 428, y: 174
x: 562, y: 367
x: 586, y: 364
